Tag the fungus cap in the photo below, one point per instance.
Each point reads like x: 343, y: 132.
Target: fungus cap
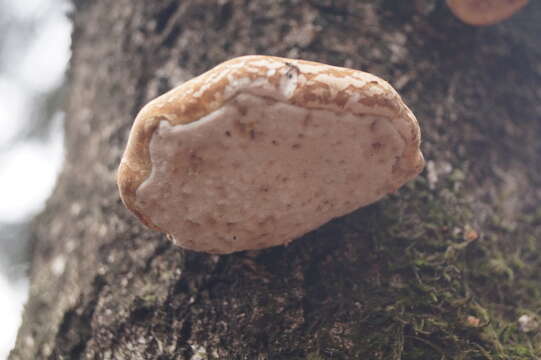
x: 484, y: 12
x: 261, y: 150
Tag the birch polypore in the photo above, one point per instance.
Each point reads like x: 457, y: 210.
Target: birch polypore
x: 484, y: 12
x: 261, y: 150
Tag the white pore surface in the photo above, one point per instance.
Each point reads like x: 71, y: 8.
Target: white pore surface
x: 258, y: 173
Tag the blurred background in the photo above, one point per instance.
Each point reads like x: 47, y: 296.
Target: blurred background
x: 34, y: 52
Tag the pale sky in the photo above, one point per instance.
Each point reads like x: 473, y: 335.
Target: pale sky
x: 28, y: 169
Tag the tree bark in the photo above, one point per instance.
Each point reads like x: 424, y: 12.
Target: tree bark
x: 441, y: 270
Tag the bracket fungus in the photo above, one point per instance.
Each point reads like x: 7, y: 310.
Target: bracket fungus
x: 484, y: 12
x: 261, y: 150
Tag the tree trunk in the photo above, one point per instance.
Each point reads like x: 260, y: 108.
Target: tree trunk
x: 441, y: 270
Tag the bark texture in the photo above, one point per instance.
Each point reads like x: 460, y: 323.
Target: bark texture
x: 441, y: 270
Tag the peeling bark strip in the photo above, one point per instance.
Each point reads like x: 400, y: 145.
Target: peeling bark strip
x: 402, y: 279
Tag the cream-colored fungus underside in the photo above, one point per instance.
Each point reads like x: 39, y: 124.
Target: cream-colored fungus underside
x: 258, y: 172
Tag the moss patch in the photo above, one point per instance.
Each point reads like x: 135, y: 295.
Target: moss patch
x: 430, y: 284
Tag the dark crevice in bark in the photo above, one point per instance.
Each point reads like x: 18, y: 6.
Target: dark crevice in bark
x: 75, y: 330
x: 332, y: 10
x: 166, y: 15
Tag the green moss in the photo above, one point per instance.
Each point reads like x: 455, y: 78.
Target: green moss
x: 429, y: 288
x: 313, y: 356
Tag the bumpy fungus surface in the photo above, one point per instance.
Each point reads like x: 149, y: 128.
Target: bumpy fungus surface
x: 484, y: 12
x: 260, y: 150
